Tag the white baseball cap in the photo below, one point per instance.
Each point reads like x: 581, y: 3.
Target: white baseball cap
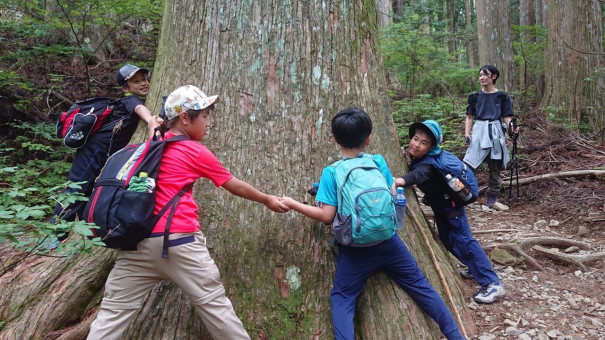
x: 185, y: 98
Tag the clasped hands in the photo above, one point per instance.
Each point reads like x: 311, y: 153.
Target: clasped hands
x: 279, y: 204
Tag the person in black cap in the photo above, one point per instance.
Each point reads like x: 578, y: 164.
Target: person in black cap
x: 452, y: 224
x: 114, y: 134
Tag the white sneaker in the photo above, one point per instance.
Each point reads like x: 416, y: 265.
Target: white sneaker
x: 489, y: 294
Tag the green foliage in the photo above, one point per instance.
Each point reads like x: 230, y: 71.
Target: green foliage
x: 418, y: 56
x: 529, y: 50
x: 24, y: 212
x: 31, y: 184
x: 39, y: 36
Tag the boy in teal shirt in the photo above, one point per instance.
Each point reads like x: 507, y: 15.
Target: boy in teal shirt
x: 351, y: 129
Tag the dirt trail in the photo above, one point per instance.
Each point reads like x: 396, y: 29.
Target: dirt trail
x: 561, y: 300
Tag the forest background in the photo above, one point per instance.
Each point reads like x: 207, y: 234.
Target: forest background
x: 53, y: 53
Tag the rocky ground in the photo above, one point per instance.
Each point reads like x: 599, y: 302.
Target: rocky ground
x: 549, y: 246
x: 558, y: 301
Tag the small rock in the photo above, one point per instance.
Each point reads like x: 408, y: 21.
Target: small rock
x: 592, y: 321
x: 552, y: 334
x: 578, y: 273
x: 534, y: 278
x: 510, y: 330
x: 540, y: 224
x: 487, y: 337
x: 502, y: 257
x: 572, y: 249
x: 500, y: 207
x: 582, y: 230
x: 510, y: 323
x: 524, y: 336
x: 554, y: 223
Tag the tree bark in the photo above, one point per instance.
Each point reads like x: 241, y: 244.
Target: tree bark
x: 383, y: 12
x: 283, y: 70
x: 495, y: 42
x: 574, y: 60
x: 471, y: 34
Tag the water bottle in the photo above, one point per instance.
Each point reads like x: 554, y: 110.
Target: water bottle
x: 149, y: 182
x: 461, y: 190
x: 400, y: 202
x: 313, y: 190
x: 141, y: 183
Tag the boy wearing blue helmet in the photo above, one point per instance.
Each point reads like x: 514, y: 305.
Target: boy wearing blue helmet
x: 452, y: 224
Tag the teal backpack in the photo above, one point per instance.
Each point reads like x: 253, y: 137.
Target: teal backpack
x: 366, y: 212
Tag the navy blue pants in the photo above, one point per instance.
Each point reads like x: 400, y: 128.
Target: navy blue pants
x: 87, y: 164
x: 354, y: 265
x: 455, y: 234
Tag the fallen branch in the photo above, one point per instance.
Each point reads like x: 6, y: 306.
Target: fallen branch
x: 438, y: 269
x: 577, y: 260
x: 563, y: 174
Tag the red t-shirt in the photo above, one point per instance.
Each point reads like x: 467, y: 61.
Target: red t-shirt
x: 182, y: 163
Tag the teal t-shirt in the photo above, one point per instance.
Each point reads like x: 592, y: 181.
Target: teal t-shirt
x: 328, y: 188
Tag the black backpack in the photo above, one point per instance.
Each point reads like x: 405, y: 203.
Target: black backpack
x: 449, y: 164
x: 83, y: 119
x: 123, y: 216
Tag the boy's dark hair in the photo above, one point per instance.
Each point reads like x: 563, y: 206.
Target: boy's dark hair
x: 351, y: 127
x: 492, y: 70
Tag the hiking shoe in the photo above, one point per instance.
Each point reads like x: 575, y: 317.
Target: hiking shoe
x: 465, y: 273
x: 489, y: 294
x: 491, y: 200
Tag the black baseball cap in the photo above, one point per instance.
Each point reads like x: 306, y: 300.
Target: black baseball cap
x: 128, y: 71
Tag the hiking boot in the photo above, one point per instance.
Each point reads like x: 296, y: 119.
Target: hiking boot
x: 491, y: 200
x: 465, y: 273
x: 489, y: 294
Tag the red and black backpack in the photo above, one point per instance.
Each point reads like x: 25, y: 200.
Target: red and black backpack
x: 125, y: 217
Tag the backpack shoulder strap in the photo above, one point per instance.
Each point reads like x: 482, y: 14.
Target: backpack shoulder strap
x: 172, y: 204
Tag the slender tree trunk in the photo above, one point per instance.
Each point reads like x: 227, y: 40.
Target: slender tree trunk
x: 282, y: 69
x: 383, y: 12
x: 471, y: 34
x: 526, y: 18
x: 574, y: 60
x: 452, y: 15
x: 495, y: 43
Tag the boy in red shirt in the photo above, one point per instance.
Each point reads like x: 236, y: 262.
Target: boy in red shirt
x: 189, y: 264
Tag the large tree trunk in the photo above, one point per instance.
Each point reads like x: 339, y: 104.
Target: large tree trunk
x: 495, y: 42
x: 283, y: 69
x: 574, y: 62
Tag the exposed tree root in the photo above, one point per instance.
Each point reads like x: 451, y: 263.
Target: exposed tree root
x: 577, y: 260
x: 517, y: 245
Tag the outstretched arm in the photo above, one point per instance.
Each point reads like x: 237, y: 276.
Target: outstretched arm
x: 245, y: 190
x: 324, y: 214
x: 152, y: 121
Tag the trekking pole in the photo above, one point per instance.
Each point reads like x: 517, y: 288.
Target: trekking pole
x: 515, y: 164
x: 438, y: 268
